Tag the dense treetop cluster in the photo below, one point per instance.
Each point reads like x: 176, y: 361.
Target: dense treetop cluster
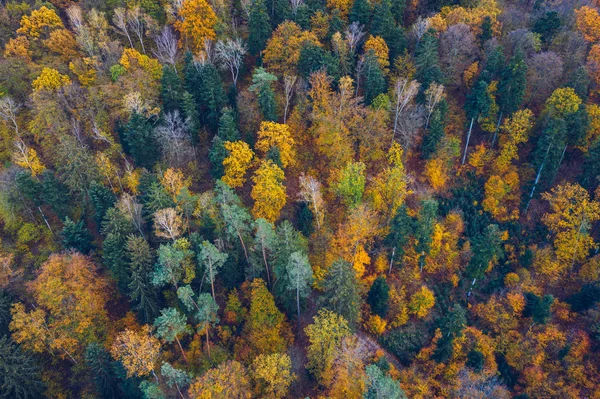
x: 236, y: 199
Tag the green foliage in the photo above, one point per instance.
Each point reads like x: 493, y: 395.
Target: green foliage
x: 171, y: 324
x: 262, y: 85
x: 427, y: 60
x: 313, y: 58
x: 351, y: 184
x: 175, y: 377
x: 102, y: 200
x: 424, y: 225
x: 171, y: 89
x: 401, y: 228
x: 203, y: 82
x: 259, y: 27
x: 384, y: 25
x: 299, y: 277
x: 374, y: 79
x: 378, y: 296
x: 228, y: 131
x: 142, y: 294
x: 76, y: 236
x: 511, y: 89
x: 548, y: 26
x: 486, y: 30
x: 139, y: 140
x: 103, y: 370
x: 19, y: 373
x: 341, y: 291
x: 405, y: 342
x: 487, y: 249
x: 537, y: 307
x: 435, y: 131
x: 381, y: 385
x: 170, y: 268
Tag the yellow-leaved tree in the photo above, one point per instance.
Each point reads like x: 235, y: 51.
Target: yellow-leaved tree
x: 273, y: 136
x: 503, y: 187
x: 268, y: 191
x: 283, y: 48
x: 70, y: 310
x: 572, y: 213
x: 50, y: 79
x: 587, y: 20
x: 27, y: 158
x: 236, y: 164
x: 137, y: 351
x: 390, y: 187
x: 39, y: 22
x: 421, y: 302
x: 380, y: 49
x: 274, y: 374
x: 196, y: 22
x: 325, y: 336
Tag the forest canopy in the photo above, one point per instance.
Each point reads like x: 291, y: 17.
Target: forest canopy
x: 299, y: 199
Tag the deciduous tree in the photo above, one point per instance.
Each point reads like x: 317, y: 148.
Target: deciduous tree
x: 268, y: 191
x: 137, y: 351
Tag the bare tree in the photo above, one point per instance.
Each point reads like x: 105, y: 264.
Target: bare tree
x: 480, y: 386
x: 310, y: 192
x: 412, y: 120
x: 420, y: 28
x: 458, y: 50
x: 166, y: 46
x: 544, y: 73
x: 433, y: 95
x: 296, y: 5
x: 8, y: 112
x: 354, y: 35
x: 230, y: 55
x: 404, y: 93
x: 136, y: 21
x: 75, y: 16
x: 175, y: 139
x: 120, y: 22
x: 289, y: 82
x: 168, y: 224
x: 246, y: 5
x: 132, y: 211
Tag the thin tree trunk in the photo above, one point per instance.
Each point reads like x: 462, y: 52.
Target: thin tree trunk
x: 577, y: 242
x: 468, y: 139
x: 537, y: 178
x: 562, y: 156
x: 179, y: 390
x: 46, y: 221
x: 392, y: 260
x: 497, y: 128
x: 212, y: 280
x: 243, y: 245
x: 298, y: 301
x: 181, y: 349
x: 264, y: 253
x: 207, y: 341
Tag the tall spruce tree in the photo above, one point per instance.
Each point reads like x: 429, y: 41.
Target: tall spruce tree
x: 259, y: 27
x: 341, y: 292
x: 76, y: 236
x: 262, y: 85
x: 19, y: 373
x: 360, y: 12
x: 227, y: 132
x: 142, y: 293
x: 427, y: 61
x: 374, y: 79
